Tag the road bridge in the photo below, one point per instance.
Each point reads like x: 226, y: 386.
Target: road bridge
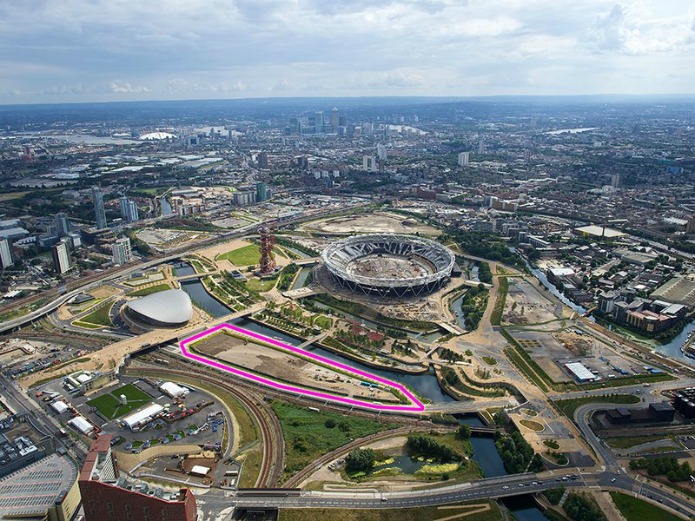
x: 469, y: 406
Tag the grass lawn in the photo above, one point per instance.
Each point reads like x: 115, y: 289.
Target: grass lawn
x: 100, y: 316
x: 634, y: 509
x: 307, y: 437
x: 261, y: 285
x: 625, y: 442
x: 244, y: 256
x: 487, y: 511
x: 149, y: 291
x: 323, y: 322
x: 569, y: 406
x: 109, y: 404
x: 534, y: 426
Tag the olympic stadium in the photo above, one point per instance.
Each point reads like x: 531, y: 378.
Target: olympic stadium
x: 389, y: 264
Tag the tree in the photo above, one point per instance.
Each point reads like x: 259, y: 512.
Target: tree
x: 464, y: 432
x: 360, y: 460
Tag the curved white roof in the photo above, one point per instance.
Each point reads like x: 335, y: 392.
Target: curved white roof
x: 170, y: 307
x: 155, y: 136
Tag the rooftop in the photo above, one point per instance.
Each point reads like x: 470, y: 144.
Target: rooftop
x: 169, y: 307
x: 36, y: 487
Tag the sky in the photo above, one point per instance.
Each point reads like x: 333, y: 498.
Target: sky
x: 55, y: 51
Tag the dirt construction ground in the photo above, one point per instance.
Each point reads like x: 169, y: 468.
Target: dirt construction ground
x: 380, y: 222
x: 286, y: 367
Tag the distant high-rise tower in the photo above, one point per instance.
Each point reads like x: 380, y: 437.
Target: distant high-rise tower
x: 6, y: 256
x: 463, y: 158
x: 261, y: 192
x: 318, y: 122
x: 615, y: 180
x: 267, y: 264
x: 262, y: 160
x: 99, y: 212
x: 62, y: 224
x: 335, y: 119
x: 369, y: 163
x: 61, y: 257
x: 481, y: 145
x: 129, y: 209
x: 121, y: 251
x: 381, y: 152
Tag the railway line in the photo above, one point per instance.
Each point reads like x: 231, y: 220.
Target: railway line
x: 273, y: 445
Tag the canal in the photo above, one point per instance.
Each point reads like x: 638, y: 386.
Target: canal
x: 302, y: 278
x: 484, y: 451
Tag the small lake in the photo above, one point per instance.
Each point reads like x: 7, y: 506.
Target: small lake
x: 403, y: 462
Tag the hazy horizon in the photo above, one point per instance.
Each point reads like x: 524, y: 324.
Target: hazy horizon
x: 100, y: 51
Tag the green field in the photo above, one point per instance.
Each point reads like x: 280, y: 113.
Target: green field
x: 109, y: 404
x: 100, y: 316
x: 149, y: 291
x: 472, y: 511
x: 245, y: 256
x: 634, y: 509
x: 308, y: 435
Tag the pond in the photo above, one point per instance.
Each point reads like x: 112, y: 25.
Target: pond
x: 403, y: 462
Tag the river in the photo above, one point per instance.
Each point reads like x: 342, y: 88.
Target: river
x: 488, y: 459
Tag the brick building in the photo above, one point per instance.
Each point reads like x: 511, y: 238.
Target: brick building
x: 108, y: 497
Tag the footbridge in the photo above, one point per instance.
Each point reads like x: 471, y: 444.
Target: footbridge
x: 469, y: 405
x: 194, y: 276
x: 314, y: 340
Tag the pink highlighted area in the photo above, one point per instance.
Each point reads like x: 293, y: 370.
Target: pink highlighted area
x: 413, y: 405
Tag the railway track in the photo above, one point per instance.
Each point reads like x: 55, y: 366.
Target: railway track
x: 307, y: 471
x: 273, y: 455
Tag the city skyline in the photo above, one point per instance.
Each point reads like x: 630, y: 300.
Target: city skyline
x: 96, y: 51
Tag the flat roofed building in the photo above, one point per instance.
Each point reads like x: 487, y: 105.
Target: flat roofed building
x: 142, y: 417
x: 46, y: 489
x: 599, y: 231
x: 580, y: 372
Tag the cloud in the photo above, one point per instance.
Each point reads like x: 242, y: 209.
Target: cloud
x: 128, y: 49
x: 124, y: 87
x: 634, y: 29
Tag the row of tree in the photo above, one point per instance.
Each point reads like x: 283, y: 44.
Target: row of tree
x: 668, y: 467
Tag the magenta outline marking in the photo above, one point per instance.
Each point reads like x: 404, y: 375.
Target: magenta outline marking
x: 416, y: 405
